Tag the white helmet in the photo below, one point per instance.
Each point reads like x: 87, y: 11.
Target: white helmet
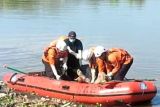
x: 87, y: 54
x: 99, y: 50
x: 61, y: 45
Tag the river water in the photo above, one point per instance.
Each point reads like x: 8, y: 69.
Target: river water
x: 27, y: 26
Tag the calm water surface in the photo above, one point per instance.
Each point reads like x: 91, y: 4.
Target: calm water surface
x: 27, y: 26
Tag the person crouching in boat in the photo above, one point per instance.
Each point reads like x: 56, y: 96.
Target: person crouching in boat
x: 55, y: 58
x: 88, y: 55
x: 115, y: 61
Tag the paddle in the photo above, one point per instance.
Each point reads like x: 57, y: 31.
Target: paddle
x: 14, y: 69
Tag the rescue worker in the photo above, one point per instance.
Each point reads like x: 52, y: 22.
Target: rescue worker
x: 88, y: 55
x: 54, y: 59
x: 54, y: 42
x: 115, y: 61
x: 75, y: 48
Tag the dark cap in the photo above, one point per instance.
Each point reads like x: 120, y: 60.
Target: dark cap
x: 72, y: 34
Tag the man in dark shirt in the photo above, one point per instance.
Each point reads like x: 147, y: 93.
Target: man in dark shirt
x: 75, y: 48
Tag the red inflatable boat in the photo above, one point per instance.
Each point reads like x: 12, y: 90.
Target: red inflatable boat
x: 110, y: 93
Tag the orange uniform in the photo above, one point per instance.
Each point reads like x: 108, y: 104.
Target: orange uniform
x: 52, y: 55
x: 54, y: 58
x: 115, y: 59
x: 50, y: 52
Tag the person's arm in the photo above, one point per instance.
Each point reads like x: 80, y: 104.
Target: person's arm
x: 65, y: 63
x: 71, y: 51
x: 101, y: 71
x: 52, y: 54
x: 115, y: 63
x: 93, y: 75
x: 116, y: 66
x: 55, y: 71
x: 77, y: 55
x: 80, y: 48
x: 92, y: 65
x: 101, y: 65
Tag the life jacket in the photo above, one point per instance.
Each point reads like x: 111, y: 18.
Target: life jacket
x: 46, y: 51
x: 58, y: 54
x: 62, y: 54
x: 125, y: 56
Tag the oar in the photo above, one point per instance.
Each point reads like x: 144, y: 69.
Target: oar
x: 14, y: 69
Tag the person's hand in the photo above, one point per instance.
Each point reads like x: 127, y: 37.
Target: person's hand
x: 110, y: 76
x: 58, y: 77
x: 55, y: 71
x: 69, y: 49
x: 65, y: 66
x: 78, y: 56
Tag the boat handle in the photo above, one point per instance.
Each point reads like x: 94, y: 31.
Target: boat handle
x: 65, y: 87
x: 10, y: 80
x: 14, y: 79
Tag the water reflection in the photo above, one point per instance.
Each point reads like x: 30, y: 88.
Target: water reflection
x: 17, y: 4
x: 136, y: 2
x: 35, y: 5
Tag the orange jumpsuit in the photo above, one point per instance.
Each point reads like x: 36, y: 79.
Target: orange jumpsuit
x: 52, y: 56
x: 116, y: 60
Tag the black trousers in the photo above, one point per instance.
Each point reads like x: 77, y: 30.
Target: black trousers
x: 73, y: 65
x: 123, y: 71
x: 48, y: 69
x: 60, y: 70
